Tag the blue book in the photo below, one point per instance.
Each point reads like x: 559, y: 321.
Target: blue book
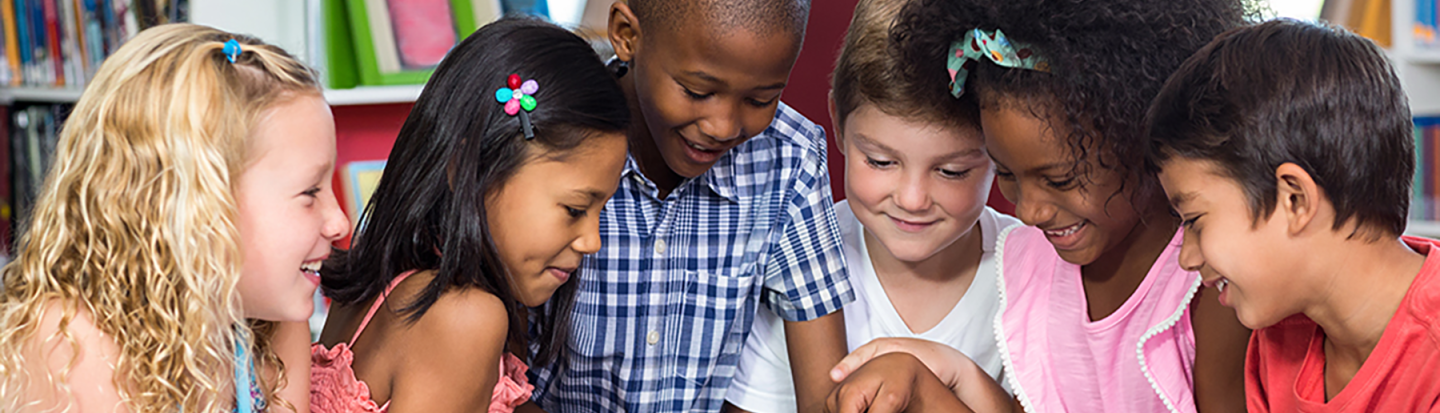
x: 538, y: 8
x: 22, y: 30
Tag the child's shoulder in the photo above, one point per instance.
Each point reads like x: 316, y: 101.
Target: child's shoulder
x: 82, y: 350
x: 788, y: 128
x: 458, y: 314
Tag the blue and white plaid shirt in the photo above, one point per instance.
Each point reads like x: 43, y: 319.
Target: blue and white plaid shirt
x: 664, y: 307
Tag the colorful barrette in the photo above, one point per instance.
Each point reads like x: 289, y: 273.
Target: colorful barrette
x: 232, y: 50
x: 993, y: 46
x: 519, y: 98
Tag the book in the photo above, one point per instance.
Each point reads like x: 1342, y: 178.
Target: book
x: 360, y: 180
x: 382, y: 35
x: 419, y: 42
x: 12, y: 41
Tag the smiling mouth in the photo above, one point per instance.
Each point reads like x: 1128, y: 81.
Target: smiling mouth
x: 312, y: 267
x: 1066, y: 231
x: 697, y: 147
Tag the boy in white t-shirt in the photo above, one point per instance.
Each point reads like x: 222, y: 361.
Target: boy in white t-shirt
x: 917, y: 236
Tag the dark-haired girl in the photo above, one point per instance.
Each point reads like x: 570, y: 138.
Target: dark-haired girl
x: 1096, y: 312
x: 489, y: 200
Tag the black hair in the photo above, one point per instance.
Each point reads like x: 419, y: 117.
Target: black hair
x: 1284, y: 91
x: 759, y: 16
x: 1107, y: 60
x: 456, y: 148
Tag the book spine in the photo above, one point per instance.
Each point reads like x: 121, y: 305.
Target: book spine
x: 44, y: 73
x: 52, y: 42
x: 12, y: 42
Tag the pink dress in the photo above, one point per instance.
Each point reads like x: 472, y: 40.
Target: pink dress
x: 334, y: 388
x: 1137, y: 359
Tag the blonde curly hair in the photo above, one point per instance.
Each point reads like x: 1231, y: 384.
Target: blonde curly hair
x: 135, y: 223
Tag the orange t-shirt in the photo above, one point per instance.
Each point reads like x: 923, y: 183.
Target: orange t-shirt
x: 1285, y: 364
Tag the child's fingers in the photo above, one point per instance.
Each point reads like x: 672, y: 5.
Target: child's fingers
x: 854, y: 360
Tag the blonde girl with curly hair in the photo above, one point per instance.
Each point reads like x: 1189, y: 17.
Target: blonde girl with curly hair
x: 171, y: 256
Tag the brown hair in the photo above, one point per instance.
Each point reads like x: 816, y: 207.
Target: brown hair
x: 869, y: 71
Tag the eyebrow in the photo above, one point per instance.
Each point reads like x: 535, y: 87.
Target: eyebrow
x: 949, y: 156
x: 320, y: 172
x: 591, y: 194
x: 1181, y: 199
x: 1041, y: 168
x: 712, y: 79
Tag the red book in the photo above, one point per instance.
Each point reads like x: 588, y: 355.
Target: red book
x: 52, y: 40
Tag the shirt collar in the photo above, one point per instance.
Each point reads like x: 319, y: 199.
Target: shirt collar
x: 720, y: 178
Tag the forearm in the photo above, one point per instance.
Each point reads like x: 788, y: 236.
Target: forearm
x: 815, y: 347
x: 977, y: 389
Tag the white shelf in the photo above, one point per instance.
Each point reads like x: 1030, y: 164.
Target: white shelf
x: 38, y: 94
x: 372, y: 95
x: 363, y: 95
x: 1422, y: 228
x: 1425, y: 56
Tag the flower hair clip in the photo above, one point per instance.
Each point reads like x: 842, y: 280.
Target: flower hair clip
x: 519, y: 98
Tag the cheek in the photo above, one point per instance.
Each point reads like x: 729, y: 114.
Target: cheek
x: 864, y: 185
x: 963, y: 198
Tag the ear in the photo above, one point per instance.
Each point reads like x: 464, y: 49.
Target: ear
x: 835, y: 121
x: 624, y: 31
x: 1298, y: 197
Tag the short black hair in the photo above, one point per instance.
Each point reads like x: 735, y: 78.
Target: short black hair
x: 457, y: 147
x: 1107, y: 58
x: 1316, y: 95
x: 759, y: 16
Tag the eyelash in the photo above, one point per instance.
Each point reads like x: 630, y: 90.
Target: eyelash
x: 955, y: 174
x: 1065, y: 184
x: 312, y: 192
x: 695, y: 96
x: 1185, y: 223
x: 752, y: 102
x: 575, y: 212
x: 878, y: 163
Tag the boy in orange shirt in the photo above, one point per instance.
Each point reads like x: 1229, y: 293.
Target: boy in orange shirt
x: 1286, y: 149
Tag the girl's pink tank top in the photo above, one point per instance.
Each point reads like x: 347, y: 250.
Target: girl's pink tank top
x: 1137, y: 359
x: 334, y: 388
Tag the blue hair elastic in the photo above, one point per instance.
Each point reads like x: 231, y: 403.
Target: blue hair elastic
x: 232, y: 50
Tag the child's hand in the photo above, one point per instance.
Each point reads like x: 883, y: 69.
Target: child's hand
x: 950, y: 369
x: 942, y: 360
x: 892, y: 382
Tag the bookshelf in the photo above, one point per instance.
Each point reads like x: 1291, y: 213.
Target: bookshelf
x: 9, y: 95
x: 1419, y: 70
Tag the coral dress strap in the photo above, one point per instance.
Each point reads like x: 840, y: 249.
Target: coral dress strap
x: 376, y: 306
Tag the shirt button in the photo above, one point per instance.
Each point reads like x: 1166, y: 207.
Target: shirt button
x: 653, y: 337
x: 660, y: 247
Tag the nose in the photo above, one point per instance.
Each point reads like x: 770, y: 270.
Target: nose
x: 589, y: 240
x: 336, y: 225
x: 913, y: 195
x: 1190, y: 257
x: 724, y: 123
x: 1031, y: 207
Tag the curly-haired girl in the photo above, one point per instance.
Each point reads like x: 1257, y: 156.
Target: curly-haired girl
x: 1096, y: 313
x: 187, y: 212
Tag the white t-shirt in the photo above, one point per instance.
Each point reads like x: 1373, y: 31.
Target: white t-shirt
x: 763, y: 383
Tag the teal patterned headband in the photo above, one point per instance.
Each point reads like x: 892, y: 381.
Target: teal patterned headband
x: 979, y: 44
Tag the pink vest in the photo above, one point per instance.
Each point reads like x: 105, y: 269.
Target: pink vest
x: 1137, y: 359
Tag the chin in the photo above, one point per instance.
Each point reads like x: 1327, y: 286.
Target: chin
x: 1083, y: 256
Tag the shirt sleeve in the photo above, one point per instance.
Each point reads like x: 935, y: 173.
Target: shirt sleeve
x: 805, y: 276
